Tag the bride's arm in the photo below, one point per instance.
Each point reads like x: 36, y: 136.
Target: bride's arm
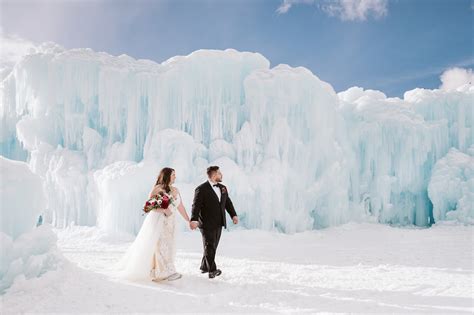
x: 181, y: 208
x: 152, y: 193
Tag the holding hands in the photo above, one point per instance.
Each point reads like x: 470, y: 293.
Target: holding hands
x: 193, y: 225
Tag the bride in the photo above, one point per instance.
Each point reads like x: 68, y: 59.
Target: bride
x: 152, y: 253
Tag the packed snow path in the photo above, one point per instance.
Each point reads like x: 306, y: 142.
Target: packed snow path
x: 351, y: 268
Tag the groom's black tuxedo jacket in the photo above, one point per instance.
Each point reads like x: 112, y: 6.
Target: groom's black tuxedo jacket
x: 207, y: 210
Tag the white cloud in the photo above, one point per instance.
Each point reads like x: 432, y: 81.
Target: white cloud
x: 346, y: 10
x: 12, y: 48
x: 456, y: 77
x: 417, y: 74
x: 287, y: 4
x: 284, y: 7
x: 356, y: 10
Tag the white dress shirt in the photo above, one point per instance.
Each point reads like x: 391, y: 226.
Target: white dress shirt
x: 216, y: 189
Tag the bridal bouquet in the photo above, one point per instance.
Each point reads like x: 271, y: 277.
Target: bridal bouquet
x: 159, y: 201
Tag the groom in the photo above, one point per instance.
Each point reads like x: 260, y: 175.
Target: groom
x: 211, y: 199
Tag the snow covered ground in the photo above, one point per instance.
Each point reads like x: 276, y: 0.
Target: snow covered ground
x: 350, y: 268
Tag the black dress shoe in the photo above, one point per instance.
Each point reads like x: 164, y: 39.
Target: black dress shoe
x: 204, y: 271
x: 215, y: 273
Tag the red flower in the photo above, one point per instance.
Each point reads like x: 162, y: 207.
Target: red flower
x: 160, y: 200
x: 165, y: 202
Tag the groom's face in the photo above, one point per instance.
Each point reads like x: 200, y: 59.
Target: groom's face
x: 218, y: 176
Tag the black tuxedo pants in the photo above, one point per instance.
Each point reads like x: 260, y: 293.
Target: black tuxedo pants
x: 210, y: 240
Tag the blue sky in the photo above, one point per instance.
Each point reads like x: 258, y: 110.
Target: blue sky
x: 392, y: 46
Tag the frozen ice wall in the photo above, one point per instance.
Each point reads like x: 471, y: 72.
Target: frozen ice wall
x: 451, y: 187
x: 295, y: 151
x: 295, y: 155
x: 397, y: 143
x: 394, y: 150
x: 454, y: 108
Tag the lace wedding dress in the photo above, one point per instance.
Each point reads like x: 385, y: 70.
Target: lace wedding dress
x: 151, y: 255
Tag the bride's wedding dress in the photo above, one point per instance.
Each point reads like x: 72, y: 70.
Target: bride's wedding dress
x: 151, y: 255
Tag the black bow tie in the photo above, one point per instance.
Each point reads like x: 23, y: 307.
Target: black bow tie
x: 216, y: 185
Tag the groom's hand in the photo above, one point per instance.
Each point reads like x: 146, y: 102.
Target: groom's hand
x: 235, y: 220
x: 193, y: 225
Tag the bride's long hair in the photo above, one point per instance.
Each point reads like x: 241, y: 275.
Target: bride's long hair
x: 164, y: 178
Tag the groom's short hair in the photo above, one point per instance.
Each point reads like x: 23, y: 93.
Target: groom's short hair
x: 211, y: 170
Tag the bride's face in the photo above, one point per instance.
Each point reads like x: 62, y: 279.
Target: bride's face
x: 173, y: 178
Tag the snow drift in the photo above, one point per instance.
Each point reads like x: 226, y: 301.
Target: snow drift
x: 27, y: 251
